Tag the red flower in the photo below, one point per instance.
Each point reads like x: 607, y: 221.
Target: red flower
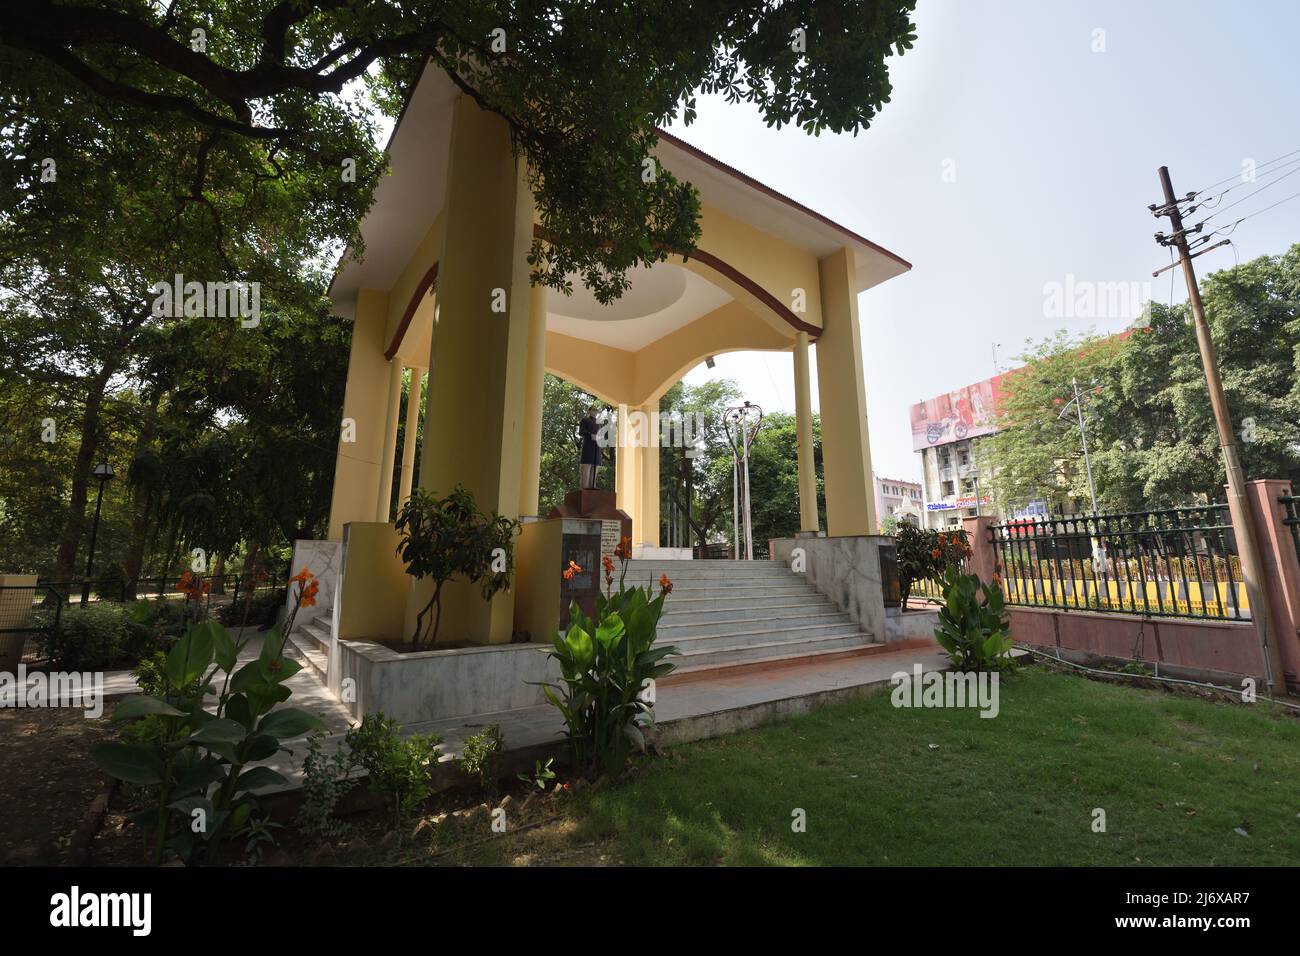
x: 665, y: 584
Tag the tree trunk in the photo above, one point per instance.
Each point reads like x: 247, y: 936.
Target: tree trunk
x: 65, y: 565
x: 140, y: 518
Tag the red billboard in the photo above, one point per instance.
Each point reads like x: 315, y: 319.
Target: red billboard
x: 964, y: 413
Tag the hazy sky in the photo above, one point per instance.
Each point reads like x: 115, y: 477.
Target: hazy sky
x: 1051, y: 151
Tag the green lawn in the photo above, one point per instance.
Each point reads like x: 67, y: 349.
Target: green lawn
x: 1176, y: 776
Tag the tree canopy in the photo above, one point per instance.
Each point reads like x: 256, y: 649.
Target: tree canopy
x: 1151, y: 431
x: 264, y: 89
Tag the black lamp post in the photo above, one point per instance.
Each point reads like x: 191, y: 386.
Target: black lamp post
x: 103, y: 474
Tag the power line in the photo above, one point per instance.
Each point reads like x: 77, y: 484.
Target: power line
x: 1250, y: 195
x: 1218, y: 197
x: 1257, y: 167
x: 1230, y: 229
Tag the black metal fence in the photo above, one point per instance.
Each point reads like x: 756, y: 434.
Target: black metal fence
x: 22, y: 625
x: 1174, y: 562
x: 30, y: 612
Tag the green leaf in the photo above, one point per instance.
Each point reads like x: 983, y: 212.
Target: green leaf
x: 224, y: 650
x: 190, y: 657
x: 134, y: 763
x: 288, y: 722
x: 132, y: 708
x: 220, y: 731
x: 257, y: 777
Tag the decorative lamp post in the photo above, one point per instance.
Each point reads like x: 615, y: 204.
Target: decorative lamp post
x: 103, y: 474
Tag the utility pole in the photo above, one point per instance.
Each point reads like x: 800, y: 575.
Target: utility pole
x: 1240, y: 513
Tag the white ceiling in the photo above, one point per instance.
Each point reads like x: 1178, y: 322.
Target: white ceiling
x: 662, y: 299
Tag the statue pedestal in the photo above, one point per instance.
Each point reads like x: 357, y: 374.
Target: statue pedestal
x: 595, y: 506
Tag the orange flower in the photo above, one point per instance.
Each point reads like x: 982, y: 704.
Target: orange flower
x: 571, y: 570
x: 936, y: 554
x: 307, y: 597
x: 304, y: 575
x: 624, y: 550
x: 665, y: 583
x: 609, y: 564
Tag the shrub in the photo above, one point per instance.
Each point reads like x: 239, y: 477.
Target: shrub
x: 973, y: 623
x: 449, y: 537
x: 924, y: 554
x: 541, y: 776
x: 478, y: 756
x: 203, y: 766
x: 95, y: 637
x: 263, y: 609
x: 398, y: 767
x: 607, y: 666
x: 325, y: 781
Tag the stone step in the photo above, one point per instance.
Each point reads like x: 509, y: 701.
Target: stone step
x: 319, y: 631
x: 761, y: 573
x: 734, y: 640
x: 727, y: 609
x: 792, y: 589
x: 705, y: 671
x: 710, y: 657
x: 673, y: 628
x: 308, y: 653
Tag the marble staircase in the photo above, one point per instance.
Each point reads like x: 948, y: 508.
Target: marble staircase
x: 728, y: 614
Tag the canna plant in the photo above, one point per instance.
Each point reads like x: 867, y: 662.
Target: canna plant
x: 607, y: 668
x: 973, y: 623
x: 203, y: 764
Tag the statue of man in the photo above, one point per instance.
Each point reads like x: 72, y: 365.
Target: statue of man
x: 589, y: 460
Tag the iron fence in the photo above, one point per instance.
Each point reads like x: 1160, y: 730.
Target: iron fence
x: 1291, y: 505
x: 1174, y: 562
x: 30, y: 613
x: 22, y: 623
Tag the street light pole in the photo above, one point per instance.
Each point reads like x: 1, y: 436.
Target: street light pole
x: 103, y: 473
x: 1083, y: 435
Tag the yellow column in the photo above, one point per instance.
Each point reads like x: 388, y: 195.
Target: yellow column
x: 846, y: 450
x: 473, y: 433
x: 361, y: 433
x: 648, y: 531
x: 384, y: 499
x: 627, y: 467
x: 808, y: 520
x: 411, y: 434
x: 534, y: 389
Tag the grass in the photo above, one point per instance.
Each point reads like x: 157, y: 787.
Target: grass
x: 1177, y: 776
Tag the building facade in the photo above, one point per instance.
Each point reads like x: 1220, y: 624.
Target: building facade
x: 899, y: 499
x: 946, y: 431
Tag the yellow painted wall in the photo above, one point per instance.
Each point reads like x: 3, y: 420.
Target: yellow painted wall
x: 365, y: 402
x: 473, y: 432
x: 538, y: 561
x: 425, y: 255
x: 778, y: 266
x: 846, y: 451
x: 372, y: 604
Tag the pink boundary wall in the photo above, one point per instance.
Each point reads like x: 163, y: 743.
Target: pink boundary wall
x: 1194, y: 644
